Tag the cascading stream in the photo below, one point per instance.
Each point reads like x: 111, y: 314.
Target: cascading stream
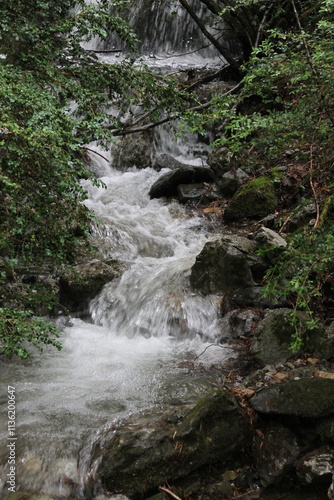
x: 144, y: 325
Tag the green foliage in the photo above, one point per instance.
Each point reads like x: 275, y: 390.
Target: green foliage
x: 17, y: 328
x: 301, y: 274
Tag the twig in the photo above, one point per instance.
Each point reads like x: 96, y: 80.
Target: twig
x: 243, y: 494
x: 95, y: 152
x: 213, y: 345
x: 259, y: 31
x: 169, y: 492
x: 316, y: 224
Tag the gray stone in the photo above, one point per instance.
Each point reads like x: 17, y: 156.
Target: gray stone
x: 223, y: 266
x: 152, y: 448
x: 84, y: 281
x: 268, y: 237
x: 307, y: 397
x: 166, y: 161
x: 316, y: 467
x: 275, y: 452
x: 232, y: 180
x: 219, y: 160
x: 252, y: 297
x: 167, y: 184
x: 134, y: 150
x: 238, y: 323
x: 271, y: 343
x: 197, y: 192
x: 302, y: 217
x: 320, y: 342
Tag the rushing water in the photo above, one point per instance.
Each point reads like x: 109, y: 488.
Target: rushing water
x: 128, y: 356
x: 145, y: 330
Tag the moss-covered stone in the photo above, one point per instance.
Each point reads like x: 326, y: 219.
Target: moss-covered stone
x: 254, y: 200
x: 225, y: 265
x: 81, y: 284
x: 308, y: 397
x: 147, y: 451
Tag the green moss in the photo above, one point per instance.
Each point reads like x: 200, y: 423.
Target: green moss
x: 254, y: 200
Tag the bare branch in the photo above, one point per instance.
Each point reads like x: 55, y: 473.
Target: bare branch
x: 126, y: 130
x: 95, y: 152
x: 169, y: 492
x: 224, y: 52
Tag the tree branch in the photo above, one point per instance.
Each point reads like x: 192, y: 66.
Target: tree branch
x: 224, y: 52
x: 126, y: 131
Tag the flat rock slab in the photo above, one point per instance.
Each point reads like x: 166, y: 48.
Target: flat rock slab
x: 308, y: 398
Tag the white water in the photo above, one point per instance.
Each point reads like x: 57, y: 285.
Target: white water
x: 143, y: 326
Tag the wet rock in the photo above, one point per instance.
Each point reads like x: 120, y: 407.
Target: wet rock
x: 238, y: 323
x: 325, y: 429
x: 275, y: 451
x: 151, y: 449
x: 268, y: 237
x: 252, y: 297
x: 301, y: 217
x: 166, y: 161
x: 25, y: 495
x: 253, y: 200
x: 223, y: 266
x: 232, y: 180
x: 219, y: 160
x: 134, y: 150
x: 320, y: 342
x: 204, y: 192
x: 316, y: 467
x: 85, y: 281
x: 167, y: 184
x: 271, y: 343
x: 308, y: 397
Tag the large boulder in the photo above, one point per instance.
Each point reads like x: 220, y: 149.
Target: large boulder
x: 275, y: 451
x: 226, y: 265
x: 134, y: 150
x: 83, y: 282
x: 152, y: 448
x: 307, y: 397
x: 232, y: 180
x: 253, y: 200
x: 219, y: 160
x: 168, y: 183
x: 271, y: 343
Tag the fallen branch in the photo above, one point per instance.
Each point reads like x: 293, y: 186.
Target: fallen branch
x: 169, y: 492
x: 96, y: 153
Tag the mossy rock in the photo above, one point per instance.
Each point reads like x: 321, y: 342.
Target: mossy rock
x: 253, y: 200
x: 308, y: 398
x: 82, y: 283
x: 223, y: 266
x: 146, y: 451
